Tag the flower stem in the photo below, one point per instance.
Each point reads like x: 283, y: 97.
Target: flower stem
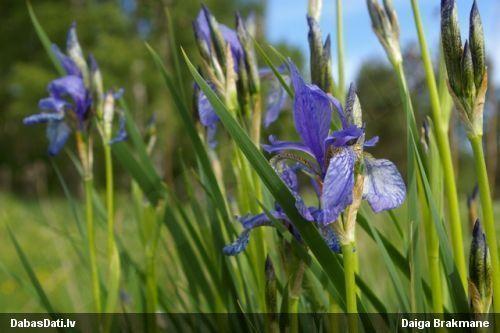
x: 348, y: 251
x: 443, y: 144
x: 349, y: 255
x: 113, y: 256
x: 488, y: 218
x: 340, y: 50
x: 109, y: 197
x: 89, y: 212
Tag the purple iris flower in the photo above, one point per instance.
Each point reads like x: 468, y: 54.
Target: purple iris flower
x: 335, y: 155
x: 66, y: 94
x: 331, y: 161
x: 70, y: 100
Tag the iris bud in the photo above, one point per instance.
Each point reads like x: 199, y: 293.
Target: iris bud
x: 76, y: 54
x: 480, y: 280
x: 96, y: 83
x: 386, y: 26
x: 469, y: 89
x: 321, y: 69
x: 476, y: 40
x: 465, y: 66
x: 250, y: 60
x: 217, y: 39
x: 353, y: 107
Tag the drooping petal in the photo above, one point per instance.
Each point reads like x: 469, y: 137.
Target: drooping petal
x: 53, y: 104
x: 250, y: 222
x: 57, y: 133
x: 384, y: 187
x: 277, y: 146
x: 239, y: 245
x: 337, y: 185
x: 43, y: 117
x: 312, y: 109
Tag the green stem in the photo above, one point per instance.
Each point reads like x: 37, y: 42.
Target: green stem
x: 350, y: 276
x: 89, y: 211
x: 488, y: 218
x: 340, y: 50
x: 349, y: 255
x: 109, y: 198
x: 441, y: 133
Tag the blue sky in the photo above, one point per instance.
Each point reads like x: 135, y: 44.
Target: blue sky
x: 286, y: 22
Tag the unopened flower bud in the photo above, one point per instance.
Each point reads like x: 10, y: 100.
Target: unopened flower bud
x: 96, y: 83
x: 386, y: 26
x: 250, y: 60
x: 217, y: 38
x: 108, y: 114
x: 76, y: 54
x: 321, y: 72
x: 465, y: 66
x: 480, y: 280
x: 468, y: 88
x: 476, y: 40
x: 353, y: 110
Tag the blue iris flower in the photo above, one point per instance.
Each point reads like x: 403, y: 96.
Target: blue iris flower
x: 330, y: 160
x: 68, y: 102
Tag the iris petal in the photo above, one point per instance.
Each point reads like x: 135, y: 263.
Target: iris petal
x: 384, y: 187
x: 51, y: 103
x: 43, y: 118
x: 343, y: 137
x: 73, y: 87
x: 312, y: 110
x: 239, y: 245
x: 277, y: 146
x: 337, y: 185
x: 57, y: 133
